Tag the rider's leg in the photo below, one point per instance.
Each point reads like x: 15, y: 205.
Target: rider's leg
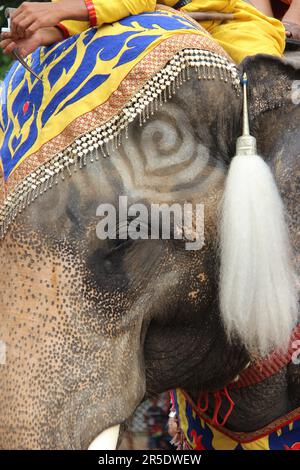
x: 250, y: 33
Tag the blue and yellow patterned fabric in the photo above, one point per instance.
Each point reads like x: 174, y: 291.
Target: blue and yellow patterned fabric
x: 77, y: 75
x: 94, y: 85
x: 200, y: 434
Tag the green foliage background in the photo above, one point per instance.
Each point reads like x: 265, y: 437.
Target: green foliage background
x: 5, y: 61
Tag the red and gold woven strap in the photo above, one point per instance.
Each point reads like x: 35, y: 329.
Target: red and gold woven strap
x: 270, y: 365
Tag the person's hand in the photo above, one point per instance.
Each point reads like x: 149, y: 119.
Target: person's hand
x: 41, y: 37
x: 30, y: 17
x: 292, y: 30
x: 25, y: 46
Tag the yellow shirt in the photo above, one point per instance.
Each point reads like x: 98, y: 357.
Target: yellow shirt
x: 115, y: 10
x: 250, y: 32
x: 112, y: 11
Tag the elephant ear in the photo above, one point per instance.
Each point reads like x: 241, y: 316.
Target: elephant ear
x: 258, y: 292
x: 274, y: 98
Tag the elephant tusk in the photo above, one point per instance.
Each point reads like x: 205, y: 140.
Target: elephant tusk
x: 107, y: 440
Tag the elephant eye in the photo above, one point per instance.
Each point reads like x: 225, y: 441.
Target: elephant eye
x: 127, y: 234
x: 116, y: 246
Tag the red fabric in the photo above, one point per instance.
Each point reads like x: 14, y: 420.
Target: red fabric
x: 203, y: 399
x: 25, y: 107
x: 280, y: 7
x: 218, y: 403
x: 92, y: 12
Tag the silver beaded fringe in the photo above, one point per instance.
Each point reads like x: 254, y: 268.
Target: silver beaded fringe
x: 155, y: 92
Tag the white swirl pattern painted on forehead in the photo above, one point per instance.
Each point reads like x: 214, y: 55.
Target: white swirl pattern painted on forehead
x: 166, y: 157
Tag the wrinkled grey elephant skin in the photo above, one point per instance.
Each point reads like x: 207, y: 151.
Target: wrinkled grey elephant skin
x: 91, y: 326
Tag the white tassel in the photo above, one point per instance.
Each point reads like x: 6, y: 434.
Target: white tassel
x: 258, y: 295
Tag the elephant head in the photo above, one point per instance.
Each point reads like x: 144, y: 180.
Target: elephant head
x: 92, y: 325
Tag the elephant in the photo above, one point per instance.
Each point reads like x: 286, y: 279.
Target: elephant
x: 93, y: 326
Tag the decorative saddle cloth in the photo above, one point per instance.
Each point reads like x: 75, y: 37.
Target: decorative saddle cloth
x: 93, y: 85
x: 201, y: 432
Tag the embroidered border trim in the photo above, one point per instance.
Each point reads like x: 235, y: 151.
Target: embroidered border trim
x: 157, y: 90
x: 153, y: 63
x: 248, y: 437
